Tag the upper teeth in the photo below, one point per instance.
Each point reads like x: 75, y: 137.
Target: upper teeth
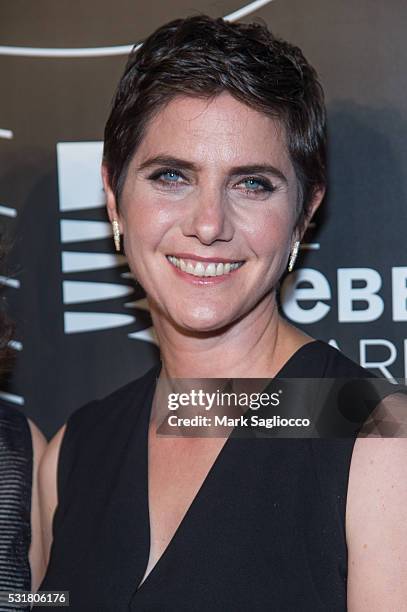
x: 201, y: 269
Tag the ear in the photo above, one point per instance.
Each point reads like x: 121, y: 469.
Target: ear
x: 313, y: 206
x: 111, y: 204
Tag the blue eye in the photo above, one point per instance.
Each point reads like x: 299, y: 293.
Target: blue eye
x: 167, y: 177
x: 171, y: 175
x: 257, y: 185
x: 252, y: 181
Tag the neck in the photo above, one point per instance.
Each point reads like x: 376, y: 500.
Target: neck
x: 256, y: 346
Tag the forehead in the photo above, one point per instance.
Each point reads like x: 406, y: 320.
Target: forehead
x: 218, y: 130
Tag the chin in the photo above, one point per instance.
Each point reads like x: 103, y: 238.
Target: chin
x: 203, y: 320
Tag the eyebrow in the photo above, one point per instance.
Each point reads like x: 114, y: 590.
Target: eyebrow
x: 167, y: 160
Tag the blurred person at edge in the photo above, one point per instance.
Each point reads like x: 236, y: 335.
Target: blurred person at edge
x: 214, y: 164
x: 22, y: 563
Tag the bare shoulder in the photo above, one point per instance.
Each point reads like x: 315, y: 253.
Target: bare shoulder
x: 39, y: 441
x: 36, y: 554
x: 48, y: 491
x: 49, y: 460
x: 376, y: 512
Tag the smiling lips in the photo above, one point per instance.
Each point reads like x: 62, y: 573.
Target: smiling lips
x: 204, y: 268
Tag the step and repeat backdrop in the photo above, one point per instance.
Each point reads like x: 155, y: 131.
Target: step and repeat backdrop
x: 82, y: 324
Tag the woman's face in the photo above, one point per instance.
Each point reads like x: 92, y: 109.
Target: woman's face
x: 211, y: 182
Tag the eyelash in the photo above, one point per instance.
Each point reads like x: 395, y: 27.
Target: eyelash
x: 266, y: 186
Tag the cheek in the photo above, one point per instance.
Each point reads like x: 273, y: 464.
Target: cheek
x: 145, y: 223
x: 270, y: 233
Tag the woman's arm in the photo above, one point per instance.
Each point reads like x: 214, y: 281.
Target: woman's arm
x: 48, y: 493
x: 376, y: 522
x: 35, y: 555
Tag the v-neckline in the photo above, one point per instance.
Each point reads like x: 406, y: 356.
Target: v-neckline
x: 156, y: 370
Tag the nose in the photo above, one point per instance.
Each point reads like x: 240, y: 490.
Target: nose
x: 209, y: 218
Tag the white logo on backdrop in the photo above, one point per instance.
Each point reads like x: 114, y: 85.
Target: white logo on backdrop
x: 312, y: 302
x: 80, y: 188
x: 245, y: 10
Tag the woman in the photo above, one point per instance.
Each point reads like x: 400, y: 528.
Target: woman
x: 22, y: 564
x: 214, y: 164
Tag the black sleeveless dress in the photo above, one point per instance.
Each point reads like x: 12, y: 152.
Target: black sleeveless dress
x: 266, y: 530
x: 16, y: 464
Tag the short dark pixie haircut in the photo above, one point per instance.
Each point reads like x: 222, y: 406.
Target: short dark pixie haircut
x: 201, y: 56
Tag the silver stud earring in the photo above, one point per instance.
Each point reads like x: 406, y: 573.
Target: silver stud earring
x: 294, y: 254
x: 116, y: 234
